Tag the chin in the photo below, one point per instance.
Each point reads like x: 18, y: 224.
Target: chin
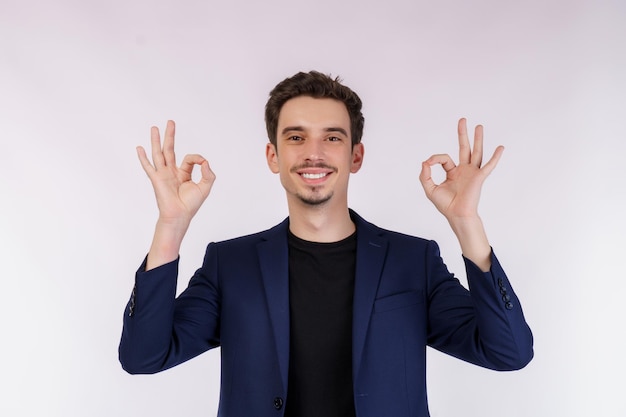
x: 314, y: 200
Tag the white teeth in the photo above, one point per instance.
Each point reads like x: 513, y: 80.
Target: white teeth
x: 314, y: 176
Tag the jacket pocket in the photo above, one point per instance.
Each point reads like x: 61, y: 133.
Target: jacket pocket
x: 396, y: 301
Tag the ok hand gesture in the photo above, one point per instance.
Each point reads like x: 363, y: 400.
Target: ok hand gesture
x: 457, y: 197
x: 178, y: 196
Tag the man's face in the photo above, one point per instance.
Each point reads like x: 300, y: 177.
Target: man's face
x: 314, y: 154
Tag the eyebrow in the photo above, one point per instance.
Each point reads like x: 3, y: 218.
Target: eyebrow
x: 301, y: 129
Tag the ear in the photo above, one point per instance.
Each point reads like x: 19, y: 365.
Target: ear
x: 358, y: 151
x: 272, y: 157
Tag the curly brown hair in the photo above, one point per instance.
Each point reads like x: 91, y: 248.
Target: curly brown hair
x: 317, y: 85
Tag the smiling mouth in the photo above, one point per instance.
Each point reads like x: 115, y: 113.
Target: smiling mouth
x: 314, y: 176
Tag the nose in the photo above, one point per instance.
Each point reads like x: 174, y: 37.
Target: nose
x: 314, y: 150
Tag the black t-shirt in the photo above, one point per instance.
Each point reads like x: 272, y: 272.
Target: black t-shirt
x: 321, y: 287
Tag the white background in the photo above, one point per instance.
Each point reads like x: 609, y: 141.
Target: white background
x: 81, y: 82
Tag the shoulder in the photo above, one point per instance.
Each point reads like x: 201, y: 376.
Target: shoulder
x: 369, y: 230
x: 280, y: 230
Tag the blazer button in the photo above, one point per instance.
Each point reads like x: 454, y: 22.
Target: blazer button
x: 509, y: 306
x: 278, y: 403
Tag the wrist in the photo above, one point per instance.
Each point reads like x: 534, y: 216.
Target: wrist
x: 473, y: 240
x: 462, y: 225
x: 168, y: 237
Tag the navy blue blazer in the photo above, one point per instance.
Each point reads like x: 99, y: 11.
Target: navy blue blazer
x: 404, y: 300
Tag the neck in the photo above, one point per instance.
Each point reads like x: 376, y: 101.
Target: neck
x: 320, y: 223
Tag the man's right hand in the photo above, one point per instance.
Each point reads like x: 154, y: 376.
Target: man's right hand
x: 178, y: 197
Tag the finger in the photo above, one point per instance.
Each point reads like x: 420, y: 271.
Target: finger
x: 168, y: 144
x: 493, y: 161
x: 464, y: 145
x: 477, y: 153
x: 145, y: 162
x: 157, y: 154
x: 426, y: 178
x: 442, y: 159
x: 186, y: 167
x: 208, y: 178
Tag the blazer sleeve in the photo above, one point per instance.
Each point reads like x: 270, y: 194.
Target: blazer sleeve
x: 485, y: 325
x: 161, y: 330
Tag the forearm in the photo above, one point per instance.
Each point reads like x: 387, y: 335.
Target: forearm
x: 162, y: 330
x: 505, y: 338
x: 148, y: 320
x: 484, y: 326
x: 165, y: 247
x: 473, y: 240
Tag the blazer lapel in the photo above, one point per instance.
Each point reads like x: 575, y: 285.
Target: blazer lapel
x: 273, y: 259
x: 370, y: 257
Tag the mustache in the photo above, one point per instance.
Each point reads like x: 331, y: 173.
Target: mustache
x: 313, y: 165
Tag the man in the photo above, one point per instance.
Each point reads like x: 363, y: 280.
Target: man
x: 324, y: 314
